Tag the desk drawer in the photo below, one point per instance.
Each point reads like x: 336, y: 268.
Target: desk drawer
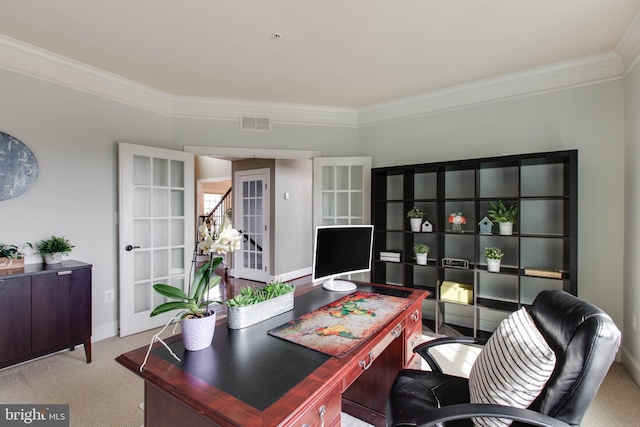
x: 360, y: 366
x: 324, y: 411
x: 414, y: 362
x: 413, y: 339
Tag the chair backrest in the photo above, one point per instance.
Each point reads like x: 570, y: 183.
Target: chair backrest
x: 585, y: 341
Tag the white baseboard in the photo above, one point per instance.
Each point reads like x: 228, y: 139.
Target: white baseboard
x: 104, y: 332
x: 291, y: 275
x: 632, y: 365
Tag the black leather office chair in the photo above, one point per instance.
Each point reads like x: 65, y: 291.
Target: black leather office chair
x: 584, y: 339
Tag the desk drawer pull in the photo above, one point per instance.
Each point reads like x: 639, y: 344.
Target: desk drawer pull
x: 321, y: 412
x: 397, y: 331
x: 64, y: 273
x: 364, y: 365
x: 415, y: 316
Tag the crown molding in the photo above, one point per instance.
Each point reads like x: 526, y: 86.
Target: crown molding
x: 33, y: 61
x: 232, y: 109
x: 629, y: 46
x: 577, y: 72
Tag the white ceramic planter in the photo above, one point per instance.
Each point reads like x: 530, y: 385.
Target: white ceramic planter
x: 197, y: 333
x: 53, y: 258
x: 493, y: 265
x: 421, y: 259
x: 241, y: 317
x: 416, y: 224
x: 506, y: 228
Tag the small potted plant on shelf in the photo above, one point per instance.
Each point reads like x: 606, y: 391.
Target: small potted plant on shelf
x: 421, y: 250
x: 504, y: 215
x: 197, y: 321
x: 53, y: 249
x: 415, y: 218
x: 457, y: 220
x: 253, y: 305
x: 494, y: 256
x: 11, y: 256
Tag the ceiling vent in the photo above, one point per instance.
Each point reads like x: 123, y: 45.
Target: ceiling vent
x: 255, y: 123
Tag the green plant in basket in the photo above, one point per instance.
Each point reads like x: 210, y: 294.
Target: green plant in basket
x: 10, y: 251
x: 493, y: 253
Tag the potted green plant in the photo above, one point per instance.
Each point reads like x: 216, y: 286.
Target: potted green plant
x: 197, y: 321
x: 505, y: 215
x: 11, y: 256
x: 415, y: 218
x: 53, y: 248
x: 421, y: 250
x: 253, y: 305
x: 494, y: 256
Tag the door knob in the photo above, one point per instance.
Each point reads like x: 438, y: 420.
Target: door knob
x: 129, y: 247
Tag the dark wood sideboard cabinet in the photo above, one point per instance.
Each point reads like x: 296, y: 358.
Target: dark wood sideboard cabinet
x: 44, y: 309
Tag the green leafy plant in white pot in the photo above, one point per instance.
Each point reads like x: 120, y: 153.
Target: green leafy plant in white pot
x: 494, y: 257
x: 53, y: 249
x: 504, y: 215
x: 197, y: 321
x: 415, y: 218
x: 421, y: 250
x: 256, y: 304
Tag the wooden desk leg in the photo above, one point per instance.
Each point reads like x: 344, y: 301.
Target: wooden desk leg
x: 87, y: 349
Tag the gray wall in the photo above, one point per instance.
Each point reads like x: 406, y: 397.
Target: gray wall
x: 74, y: 135
x: 631, y: 339
x: 590, y: 119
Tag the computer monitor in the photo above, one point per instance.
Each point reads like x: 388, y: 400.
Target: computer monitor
x: 339, y: 250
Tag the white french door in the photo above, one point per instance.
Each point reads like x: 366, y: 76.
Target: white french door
x: 156, y: 230
x: 341, y: 190
x: 251, y: 215
x: 342, y: 193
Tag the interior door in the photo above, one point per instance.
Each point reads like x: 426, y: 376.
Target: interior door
x: 157, y: 230
x: 342, y: 193
x: 251, y: 215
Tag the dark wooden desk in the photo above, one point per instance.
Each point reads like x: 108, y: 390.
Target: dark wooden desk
x: 249, y: 378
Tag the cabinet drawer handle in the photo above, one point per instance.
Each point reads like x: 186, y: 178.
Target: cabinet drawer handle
x: 64, y: 273
x: 364, y: 365
x: 397, y: 331
x: 321, y: 412
x: 415, y: 316
x: 413, y: 341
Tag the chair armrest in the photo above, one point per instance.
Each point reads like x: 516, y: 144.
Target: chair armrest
x: 423, y: 349
x: 468, y: 410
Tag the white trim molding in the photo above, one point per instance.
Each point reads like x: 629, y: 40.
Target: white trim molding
x: 36, y: 62
x: 629, y: 46
x: 577, y: 72
x: 632, y: 365
x: 250, y: 153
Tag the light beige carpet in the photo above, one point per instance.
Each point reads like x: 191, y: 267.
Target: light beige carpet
x: 103, y: 393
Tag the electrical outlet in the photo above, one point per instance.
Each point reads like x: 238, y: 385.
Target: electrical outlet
x: 634, y: 323
x: 108, y: 296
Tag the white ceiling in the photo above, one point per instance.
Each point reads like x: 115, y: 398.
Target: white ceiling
x: 343, y: 53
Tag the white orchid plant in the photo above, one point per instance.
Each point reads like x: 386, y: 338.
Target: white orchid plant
x: 194, y: 303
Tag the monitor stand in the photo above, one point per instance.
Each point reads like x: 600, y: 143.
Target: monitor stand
x: 339, y: 285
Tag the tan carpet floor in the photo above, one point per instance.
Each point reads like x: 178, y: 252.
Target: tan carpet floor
x: 103, y: 393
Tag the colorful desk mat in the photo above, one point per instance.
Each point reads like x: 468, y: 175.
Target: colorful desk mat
x: 339, y: 327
